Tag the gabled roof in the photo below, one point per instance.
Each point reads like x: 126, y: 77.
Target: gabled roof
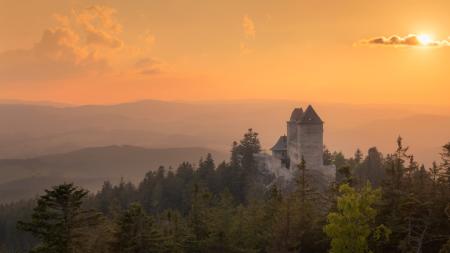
x: 310, y: 117
x: 296, y: 114
x: 281, y: 144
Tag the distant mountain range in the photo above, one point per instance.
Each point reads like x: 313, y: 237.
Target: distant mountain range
x: 44, y: 143
x: 90, y: 167
x: 29, y: 130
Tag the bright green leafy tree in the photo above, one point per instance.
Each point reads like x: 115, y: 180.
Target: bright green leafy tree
x: 352, y: 225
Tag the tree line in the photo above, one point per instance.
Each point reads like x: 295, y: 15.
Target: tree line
x: 377, y: 204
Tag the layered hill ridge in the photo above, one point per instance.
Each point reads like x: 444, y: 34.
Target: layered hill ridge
x: 90, y: 167
x: 29, y: 130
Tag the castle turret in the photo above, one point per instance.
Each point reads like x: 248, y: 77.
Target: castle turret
x: 279, y: 150
x: 310, y: 136
x: 292, y: 133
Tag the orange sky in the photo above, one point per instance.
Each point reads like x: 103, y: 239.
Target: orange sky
x: 112, y: 51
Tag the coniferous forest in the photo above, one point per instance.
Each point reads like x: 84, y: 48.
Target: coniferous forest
x: 378, y: 203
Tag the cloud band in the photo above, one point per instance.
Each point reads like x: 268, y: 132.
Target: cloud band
x: 409, y: 40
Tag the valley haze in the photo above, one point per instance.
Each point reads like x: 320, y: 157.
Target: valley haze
x: 30, y: 130
x: 76, y: 141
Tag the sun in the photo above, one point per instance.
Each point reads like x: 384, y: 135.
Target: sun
x: 424, y: 39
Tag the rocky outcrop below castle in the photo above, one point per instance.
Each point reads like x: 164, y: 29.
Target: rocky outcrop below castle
x: 275, y: 172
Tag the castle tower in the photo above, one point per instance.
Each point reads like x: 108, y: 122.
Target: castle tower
x: 310, y: 139
x: 292, y: 134
x: 304, y: 139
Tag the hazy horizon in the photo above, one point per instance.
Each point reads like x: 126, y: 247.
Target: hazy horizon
x: 215, y: 124
x: 62, y: 103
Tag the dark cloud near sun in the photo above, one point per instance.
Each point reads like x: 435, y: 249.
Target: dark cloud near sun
x: 409, y: 40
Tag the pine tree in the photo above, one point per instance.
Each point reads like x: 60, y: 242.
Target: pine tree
x: 125, y: 194
x: 100, y: 237
x: 185, y: 176
x: 327, y: 156
x: 372, y: 168
x: 105, y: 198
x: 244, y: 165
x: 441, y: 196
x: 221, y: 224
x: 58, y: 220
x: 137, y: 232
x: 175, y: 231
x: 445, y: 165
x: 393, y: 194
x: 339, y: 160
x: 206, y: 173
x: 308, y: 210
x: 248, y: 147
x: 344, y: 175
x: 359, y: 156
x: 197, y: 220
x: 260, y: 221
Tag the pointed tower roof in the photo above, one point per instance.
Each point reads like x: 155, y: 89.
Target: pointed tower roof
x: 296, y: 114
x: 281, y: 144
x: 310, y: 117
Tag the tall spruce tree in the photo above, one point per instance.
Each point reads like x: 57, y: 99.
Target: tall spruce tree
x: 244, y: 165
x: 137, y: 232
x: 445, y: 165
x: 247, y: 148
x: 175, y: 231
x: 291, y: 216
x: 359, y: 156
x: 59, y: 221
x: 221, y: 224
x: 198, y: 219
x: 206, y: 173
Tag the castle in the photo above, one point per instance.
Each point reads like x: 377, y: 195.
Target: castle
x: 304, y: 139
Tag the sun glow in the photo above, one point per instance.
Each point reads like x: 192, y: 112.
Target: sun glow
x: 424, y: 39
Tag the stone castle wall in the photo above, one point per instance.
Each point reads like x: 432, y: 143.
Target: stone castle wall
x: 310, y: 137
x: 292, y: 142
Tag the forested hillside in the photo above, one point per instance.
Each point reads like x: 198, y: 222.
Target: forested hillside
x: 89, y: 168
x: 379, y: 203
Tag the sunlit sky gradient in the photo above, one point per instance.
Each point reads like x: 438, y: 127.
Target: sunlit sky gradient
x: 115, y: 51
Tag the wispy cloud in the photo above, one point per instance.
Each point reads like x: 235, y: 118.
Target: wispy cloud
x: 409, y: 40
x: 85, y: 42
x: 148, y: 66
x: 100, y: 26
x: 59, y: 54
x: 249, y: 30
x: 248, y: 26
